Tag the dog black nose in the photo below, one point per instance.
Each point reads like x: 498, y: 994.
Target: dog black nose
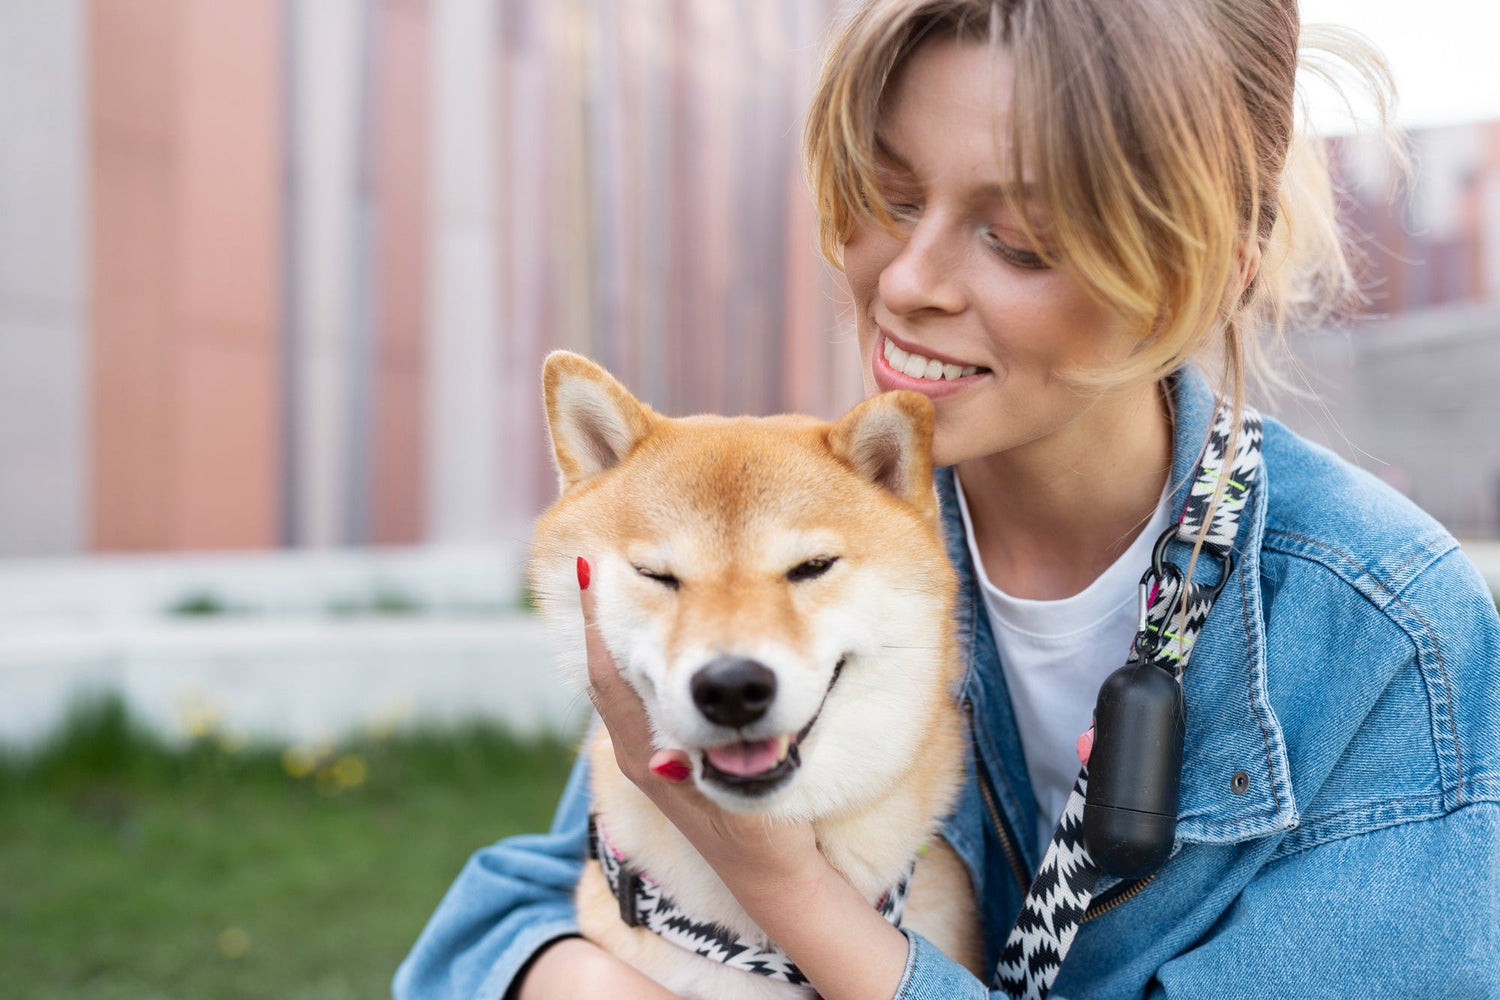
x: 732, y: 691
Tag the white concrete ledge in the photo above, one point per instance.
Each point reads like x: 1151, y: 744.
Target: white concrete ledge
x: 95, y: 589
x: 294, y: 682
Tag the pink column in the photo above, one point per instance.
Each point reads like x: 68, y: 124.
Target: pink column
x: 401, y: 147
x: 133, y: 55
x: 186, y: 242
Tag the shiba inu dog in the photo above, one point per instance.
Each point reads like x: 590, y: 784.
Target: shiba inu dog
x: 777, y: 592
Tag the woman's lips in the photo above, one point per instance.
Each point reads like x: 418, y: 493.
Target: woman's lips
x: 888, y: 377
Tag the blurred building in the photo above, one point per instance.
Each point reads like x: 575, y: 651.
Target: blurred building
x: 1433, y: 239
x: 1412, y: 392
x: 282, y: 272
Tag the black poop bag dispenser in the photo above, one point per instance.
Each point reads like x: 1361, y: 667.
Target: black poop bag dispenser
x: 1135, y: 770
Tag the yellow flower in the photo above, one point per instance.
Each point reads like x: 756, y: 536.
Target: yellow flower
x: 233, y: 942
x: 298, y: 761
x: 351, y: 770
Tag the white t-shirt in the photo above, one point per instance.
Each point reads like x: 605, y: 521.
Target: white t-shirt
x: 1056, y: 654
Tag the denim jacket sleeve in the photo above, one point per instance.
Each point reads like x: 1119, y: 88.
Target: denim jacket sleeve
x: 510, y: 899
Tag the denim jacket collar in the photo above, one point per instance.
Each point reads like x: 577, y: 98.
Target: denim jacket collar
x: 1231, y: 727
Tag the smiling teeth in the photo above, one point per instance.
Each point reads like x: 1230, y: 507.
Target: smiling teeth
x: 916, y: 366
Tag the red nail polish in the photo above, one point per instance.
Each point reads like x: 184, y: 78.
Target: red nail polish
x: 673, y: 770
x: 583, y: 573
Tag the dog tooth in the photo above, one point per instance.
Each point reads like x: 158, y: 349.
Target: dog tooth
x: 951, y: 372
x: 970, y: 369
x: 934, y: 370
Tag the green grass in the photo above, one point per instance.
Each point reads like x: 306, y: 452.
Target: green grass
x: 132, y: 870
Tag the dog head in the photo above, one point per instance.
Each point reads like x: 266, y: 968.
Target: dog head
x: 775, y: 589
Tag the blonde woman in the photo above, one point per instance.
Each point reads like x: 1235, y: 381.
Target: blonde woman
x: 1100, y: 206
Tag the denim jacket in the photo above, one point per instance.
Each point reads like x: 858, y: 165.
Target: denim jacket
x: 1339, y: 818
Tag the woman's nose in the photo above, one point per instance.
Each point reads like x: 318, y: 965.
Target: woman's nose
x: 926, y: 273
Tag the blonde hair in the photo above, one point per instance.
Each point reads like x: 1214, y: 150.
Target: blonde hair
x: 1161, y: 141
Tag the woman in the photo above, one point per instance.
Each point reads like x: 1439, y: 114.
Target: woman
x: 1082, y: 200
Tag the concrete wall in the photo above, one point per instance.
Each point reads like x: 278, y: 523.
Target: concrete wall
x: 291, y: 682
x: 282, y: 662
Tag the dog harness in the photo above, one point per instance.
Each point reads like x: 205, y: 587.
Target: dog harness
x: 1063, y: 888
x: 644, y: 904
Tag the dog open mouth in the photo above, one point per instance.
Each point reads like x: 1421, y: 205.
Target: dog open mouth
x: 757, y: 767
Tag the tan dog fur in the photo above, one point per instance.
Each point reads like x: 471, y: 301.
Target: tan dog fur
x: 727, y: 506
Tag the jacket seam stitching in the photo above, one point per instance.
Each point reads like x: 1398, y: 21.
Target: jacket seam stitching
x: 1313, y: 835
x: 1367, y: 806
x: 1458, y: 759
x: 1396, y: 573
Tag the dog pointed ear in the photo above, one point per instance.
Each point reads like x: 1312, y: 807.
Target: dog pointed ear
x: 888, y: 440
x: 592, y: 420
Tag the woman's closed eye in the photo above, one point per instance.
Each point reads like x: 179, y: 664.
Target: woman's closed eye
x: 902, y: 207
x: 1020, y: 256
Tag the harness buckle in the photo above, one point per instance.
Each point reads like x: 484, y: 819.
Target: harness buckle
x: 627, y: 895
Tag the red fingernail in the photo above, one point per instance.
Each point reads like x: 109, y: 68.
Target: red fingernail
x: 583, y: 573
x: 672, y: 770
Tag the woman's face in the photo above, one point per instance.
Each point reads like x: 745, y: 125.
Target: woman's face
x: 958, y: 289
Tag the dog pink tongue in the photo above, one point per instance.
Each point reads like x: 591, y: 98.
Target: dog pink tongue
x: 745, y: 759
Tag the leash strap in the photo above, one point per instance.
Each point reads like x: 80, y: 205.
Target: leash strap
x: 644, y: 904
x: 1170, y: 621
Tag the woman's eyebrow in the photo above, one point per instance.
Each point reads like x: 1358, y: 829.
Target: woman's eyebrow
x: 989, y: 191
x: 1024, y: 191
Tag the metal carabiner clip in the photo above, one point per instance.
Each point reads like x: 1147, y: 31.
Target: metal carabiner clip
x: 1160, y: 567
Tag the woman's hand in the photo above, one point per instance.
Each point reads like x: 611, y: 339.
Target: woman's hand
x: 746, y: 851
x: 775, y: 870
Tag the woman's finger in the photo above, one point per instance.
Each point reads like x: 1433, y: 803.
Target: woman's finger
x: 619, y: 705
x: 605, y: 680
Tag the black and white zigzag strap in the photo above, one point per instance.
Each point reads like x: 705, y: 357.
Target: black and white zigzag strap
x: 1169, y: 624
x: 644, y: 904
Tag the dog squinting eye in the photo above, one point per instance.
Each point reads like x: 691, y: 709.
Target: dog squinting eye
x: 665, y: 579
x: 811, y: 569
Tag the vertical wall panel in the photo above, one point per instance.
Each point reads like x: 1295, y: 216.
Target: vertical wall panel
x: 400, y: 150
x: 466, y: 449
x: 134, y: 46
x: 227, y: 191
x: 43, y: 279
x: 185, y: 283
x: 524, y: 118
x: 329, y: 80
